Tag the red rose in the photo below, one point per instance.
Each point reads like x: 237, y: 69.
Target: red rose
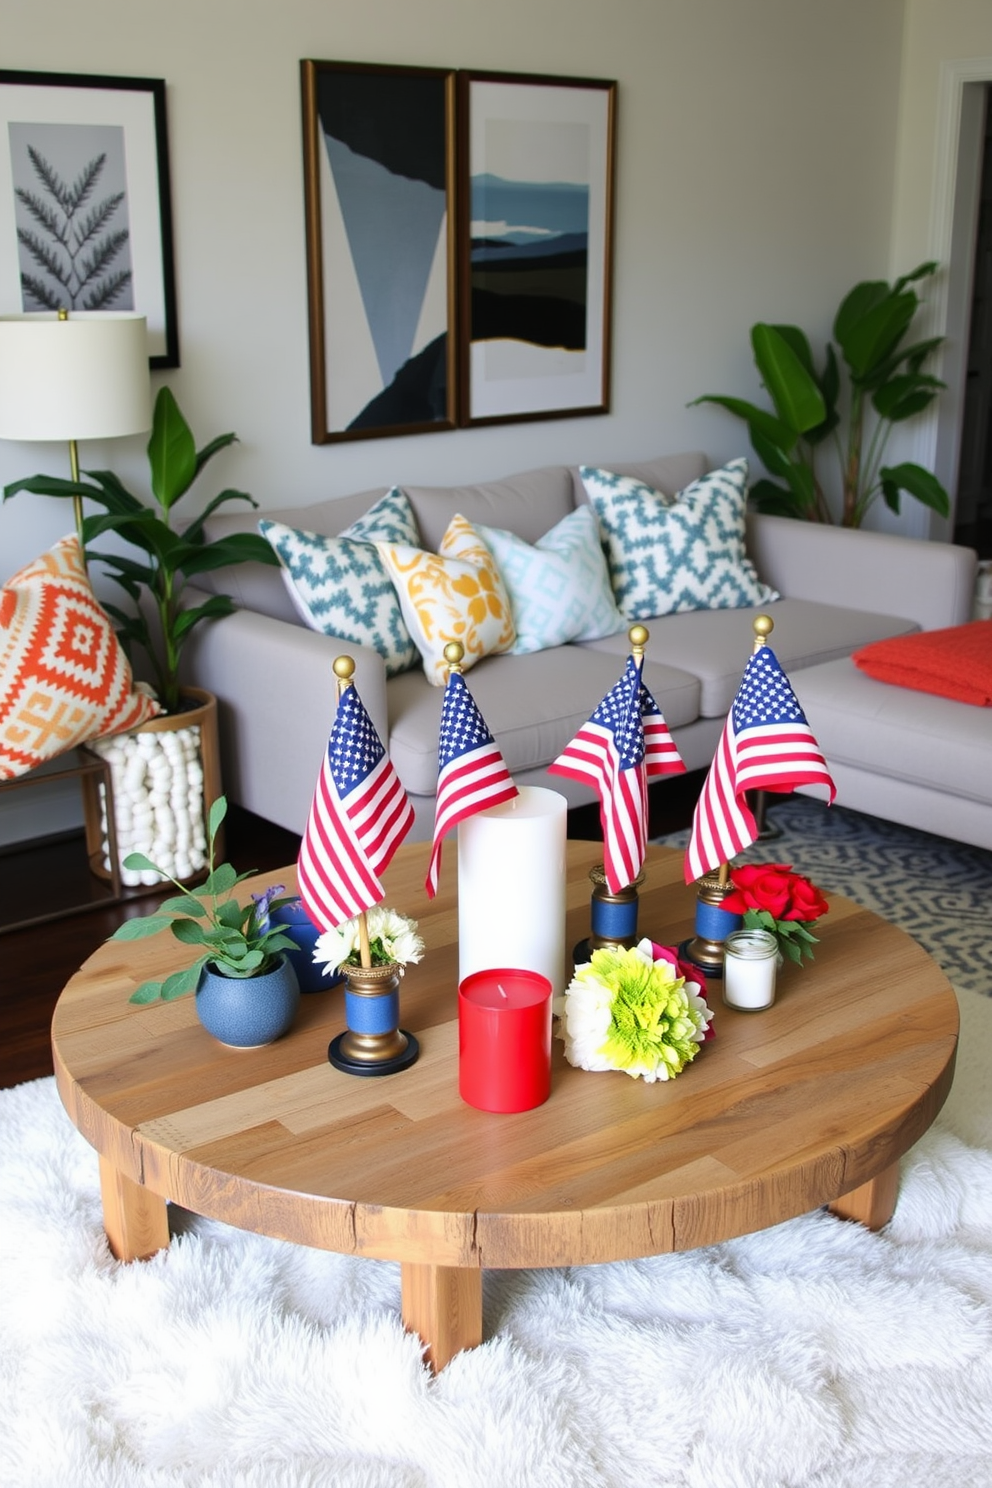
x: 807, y: 903
x: 760, y: 886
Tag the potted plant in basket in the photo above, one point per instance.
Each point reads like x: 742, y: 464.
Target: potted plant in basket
x: 160, y: 621
x: 886, y: 385
x: 246, y: 989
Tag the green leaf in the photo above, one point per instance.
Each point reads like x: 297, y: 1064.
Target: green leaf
x: 184, y: 904
x: 171, y: 451
x: 237, y: 547
x: 776, y: 500
x: 136, y: 862
x: 904, y: 397
x: 141, y: 929
x: 190, y: 933
x: 790, y: 384
x: 218, y: 811
x: 147, y: 992
x: 759, y: 419
x: 216, y: 606
x: 182, y: 982
x: 194, y: 532
x: 232, y: 914
x: 873, y: 337
x: 791, y: 951
x: 919, y: 483
x: 922, y: 271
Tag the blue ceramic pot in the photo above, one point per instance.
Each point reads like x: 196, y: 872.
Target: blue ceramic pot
x: 247, y: 1012
x: 294, y: 921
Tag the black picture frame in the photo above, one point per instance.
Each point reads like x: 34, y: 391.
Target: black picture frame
x: 91, y: 151
x: 535, y: 236
x: 379, y: 187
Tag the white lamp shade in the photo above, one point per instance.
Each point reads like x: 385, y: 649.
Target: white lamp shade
x: 81, y: 378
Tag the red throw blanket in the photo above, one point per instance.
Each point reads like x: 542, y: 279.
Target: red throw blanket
x: 955, y: 663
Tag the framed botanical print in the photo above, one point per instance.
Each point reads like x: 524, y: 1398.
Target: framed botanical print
x: 535, y: 245
x: 85, y: 211
x: 378, y: 146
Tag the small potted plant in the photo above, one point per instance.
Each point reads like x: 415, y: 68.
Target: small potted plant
x: 246, y: 988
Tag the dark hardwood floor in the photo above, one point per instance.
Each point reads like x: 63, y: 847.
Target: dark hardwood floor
x: 38, y: 960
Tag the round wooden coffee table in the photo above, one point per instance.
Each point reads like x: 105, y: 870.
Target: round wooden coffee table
x: 811, y: 1102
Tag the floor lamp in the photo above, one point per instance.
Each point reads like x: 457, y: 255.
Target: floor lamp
x: 72, y: 377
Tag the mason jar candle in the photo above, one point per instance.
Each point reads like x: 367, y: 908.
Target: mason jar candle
x: 750, y: 960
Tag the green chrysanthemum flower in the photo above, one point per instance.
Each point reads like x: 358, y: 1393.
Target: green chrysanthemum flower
x: 625, y: 1011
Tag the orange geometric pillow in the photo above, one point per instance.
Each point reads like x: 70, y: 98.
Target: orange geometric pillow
x: 63, y: 675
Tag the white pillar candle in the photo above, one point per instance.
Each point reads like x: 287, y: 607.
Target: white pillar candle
x: 511, y: 887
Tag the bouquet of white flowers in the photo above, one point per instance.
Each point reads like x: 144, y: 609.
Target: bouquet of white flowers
x: 393, y: 939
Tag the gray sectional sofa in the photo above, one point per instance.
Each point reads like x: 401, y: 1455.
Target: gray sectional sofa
x: 839, y: 590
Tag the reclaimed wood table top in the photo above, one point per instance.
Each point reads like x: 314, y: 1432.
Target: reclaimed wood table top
x: 782, y: 1111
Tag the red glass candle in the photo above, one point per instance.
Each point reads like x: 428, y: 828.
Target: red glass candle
x: 504, y: 1040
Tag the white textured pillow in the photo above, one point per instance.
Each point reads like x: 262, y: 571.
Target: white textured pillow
x: 338, y: 584
x: 559, y: 588
x: 670, y: 554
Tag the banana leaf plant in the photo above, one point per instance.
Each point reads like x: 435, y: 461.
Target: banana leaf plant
x: 172, y: 555
x: 886, y: 385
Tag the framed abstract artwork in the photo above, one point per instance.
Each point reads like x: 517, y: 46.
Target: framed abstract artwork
x: 85, y: 208
x: 378, y: 150
x: 535, y: 245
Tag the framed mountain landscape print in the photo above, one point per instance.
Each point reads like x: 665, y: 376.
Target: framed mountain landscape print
x: 535, y: 240
x: 85, y: 214
x: 378, y: 152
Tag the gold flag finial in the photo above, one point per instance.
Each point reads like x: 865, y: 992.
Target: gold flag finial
x: 454, y: 651
x: 344, y: 670
x: 638, y: 636
x: 763, y: 626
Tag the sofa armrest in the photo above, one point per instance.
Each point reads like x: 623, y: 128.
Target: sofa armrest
x: 276, y: 694
x: 930, y: 582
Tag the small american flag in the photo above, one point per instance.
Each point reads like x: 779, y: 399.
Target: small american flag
x: 359, y: 816
x: 625, y: 744
x: 471, y: 772
x: 766, y: 744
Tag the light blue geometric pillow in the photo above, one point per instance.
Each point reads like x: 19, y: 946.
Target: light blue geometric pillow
x: 668, y: 554
x: 559, y: 589
x: 338, y: 584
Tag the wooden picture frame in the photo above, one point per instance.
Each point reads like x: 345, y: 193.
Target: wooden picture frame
x: 379, y: 182
x: 85, y: 204
x: 535, y: 190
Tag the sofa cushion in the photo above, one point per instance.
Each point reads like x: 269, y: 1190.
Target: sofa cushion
x: 714, y: 645
x: 454, y: 595
x: 339, y: 585
x: 668, y: 473
x: 955, y: 662
x: 920, y: 739
x: 560, y: 587
x: 529, y: 504
x: 64, y: 677
x: 671, y: 554
x: 533, y: 704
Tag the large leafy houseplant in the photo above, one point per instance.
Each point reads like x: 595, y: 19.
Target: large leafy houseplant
x: 171, y: 555
x: 238, y: 940
x: 886, y: 385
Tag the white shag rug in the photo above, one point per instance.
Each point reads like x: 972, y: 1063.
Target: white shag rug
x: 813, y: 1355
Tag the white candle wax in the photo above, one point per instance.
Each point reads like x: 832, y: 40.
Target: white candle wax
x: 749, y: 966
x: 511, y: 887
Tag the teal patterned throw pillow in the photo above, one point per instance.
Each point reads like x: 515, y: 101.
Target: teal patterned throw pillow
x: 668, y: 554
x: 560, y: 588
x: 338, y: 584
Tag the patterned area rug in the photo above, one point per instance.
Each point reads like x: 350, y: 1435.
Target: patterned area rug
x: 939, y: 891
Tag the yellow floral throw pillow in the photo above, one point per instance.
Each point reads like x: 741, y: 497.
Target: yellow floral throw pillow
x: 454, y: 595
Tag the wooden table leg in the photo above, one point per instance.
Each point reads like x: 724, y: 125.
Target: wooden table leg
x: 135, y: 1219
x: 444, y: 1305
x: 874, y: 1203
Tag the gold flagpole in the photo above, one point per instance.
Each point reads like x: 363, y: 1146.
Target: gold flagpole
x: 344, y: 671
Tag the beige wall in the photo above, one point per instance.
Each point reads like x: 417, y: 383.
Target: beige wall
x: 757, y: 141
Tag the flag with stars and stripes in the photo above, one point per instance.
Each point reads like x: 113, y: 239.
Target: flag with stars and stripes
x: 766, y: 744
x: 625, y: 744
x: 358, y: 818
x: 471, y: 772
